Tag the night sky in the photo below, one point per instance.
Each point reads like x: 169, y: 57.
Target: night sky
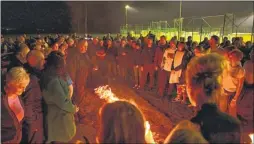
x: 103, y: 17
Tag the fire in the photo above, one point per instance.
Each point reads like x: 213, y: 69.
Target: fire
x: 104, y: 92
x: 252, y: 137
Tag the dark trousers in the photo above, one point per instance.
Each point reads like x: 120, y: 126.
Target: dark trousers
x: 112, y: 69
x: 123, y: 72
x: 163, y: 80
x: 33, y: 132
x: 137, y: 75
x: 80, y: 94
x: 148, y: 69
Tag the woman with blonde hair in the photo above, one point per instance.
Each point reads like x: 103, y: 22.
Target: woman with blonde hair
x: 12, y: 110
x: 204, y: 88
x: 122, y: 122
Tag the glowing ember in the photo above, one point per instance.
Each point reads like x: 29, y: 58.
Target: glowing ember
x: 104, y: 92
x: 252, y: 137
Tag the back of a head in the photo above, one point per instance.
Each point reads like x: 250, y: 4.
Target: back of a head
x: 203, y: 79
x: 121, y: 122
x: 55, y: 59
x: 185, y: 132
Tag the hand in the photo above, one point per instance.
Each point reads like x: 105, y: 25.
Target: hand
x: 142, y: 68
x: 123, y: 53
x: 77, y: 108
x: 233, y: 103
x: 136, y: 66
x: 95, y: 68
x: 156, y: 68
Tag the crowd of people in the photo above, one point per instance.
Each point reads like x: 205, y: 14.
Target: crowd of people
x: 44, y: 83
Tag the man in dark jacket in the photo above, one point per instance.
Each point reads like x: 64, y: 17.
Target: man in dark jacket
x: 79, y: 65
x: 111, y: 54
x: 147, y: 62
x: 32, y: 97
x: 158, y: 59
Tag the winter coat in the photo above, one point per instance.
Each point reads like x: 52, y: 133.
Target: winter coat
x: 11, y: 128
x: 60, y: 111
x: 32, y: 98
x: 147, y: 56
x: 159, y: 55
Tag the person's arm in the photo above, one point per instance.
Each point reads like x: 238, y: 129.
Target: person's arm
x: 32, y: 99
x: 240, y: 84
x: 56, y: 95
x: 184, y: 62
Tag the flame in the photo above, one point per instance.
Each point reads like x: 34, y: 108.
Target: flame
x: 252, y: 137
x: 104, y: 92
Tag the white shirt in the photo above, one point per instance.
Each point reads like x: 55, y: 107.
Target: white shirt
x: 168, y: 57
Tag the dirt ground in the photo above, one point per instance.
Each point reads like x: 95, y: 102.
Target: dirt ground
x: 161, y: 114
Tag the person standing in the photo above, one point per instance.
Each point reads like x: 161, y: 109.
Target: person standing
x: 147, y: 64
x: 32, y: 97
x: 12, y: 108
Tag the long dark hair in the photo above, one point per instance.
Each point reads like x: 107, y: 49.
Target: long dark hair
x: 54, y: 67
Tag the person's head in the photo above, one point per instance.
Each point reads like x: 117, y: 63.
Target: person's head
x: 109, y: 43
x: 36, y: 59
x: 206, y: 39
x: 237, y: 42
x: 138, y: 46
x: 235, y: 56
x: 123, y: 43
x: 214, y: 41
x: 55, y: 64
x: 82, y: 46
x: 227, y: 50
x: 248, y: 44
x: 22, y: 52
x: 225, y: 39
x: 203, y: 79
x: 189, y: 38
x: 21, y: 39
x: 172, y: 43
x: 181, y: 46
x: 163, y: 40
x: 101, y: 42
x: 121, y: 122
x: 70, y: 42
x: 149, y: 42
x: 185, y: 132
x: 63, y: 47
x: 129, y: 42
x: 17, y: 80
x: 95, y: 40
x: 199, y: 51
x: 55, y: 47
x: 194, y: 44
x: 133, y: 44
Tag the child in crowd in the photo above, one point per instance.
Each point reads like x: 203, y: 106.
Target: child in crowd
x: 181, y: 59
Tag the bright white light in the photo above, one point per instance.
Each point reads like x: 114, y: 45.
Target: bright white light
x: 127, y: 6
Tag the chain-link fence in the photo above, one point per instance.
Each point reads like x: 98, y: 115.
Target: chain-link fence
x: 227, y: 25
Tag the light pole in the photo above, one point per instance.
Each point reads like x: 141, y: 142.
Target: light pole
x: 126, y: 23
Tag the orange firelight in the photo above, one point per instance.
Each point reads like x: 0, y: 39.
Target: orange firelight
x: 252, y: 137
x: 104, y: 92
